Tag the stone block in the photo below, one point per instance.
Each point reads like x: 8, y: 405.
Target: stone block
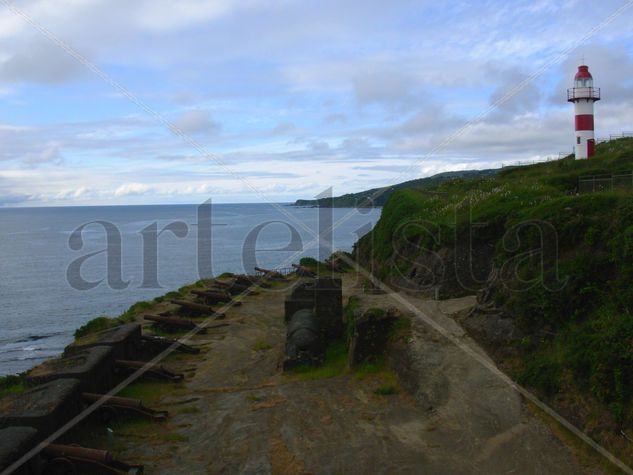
x: 14, y: 443
x: 370, y: 335
x: 329, y: 306
x: 93, y: 367
x: 125, y: 341
x: 45, y: 407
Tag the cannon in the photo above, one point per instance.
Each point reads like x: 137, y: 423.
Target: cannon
x: 270, y: 274
x: 215, y: 297
x: 115, y: 405
x: 248, y: 280
x: 160, y: 343
x: 304, y: 271
x: 304, y: 341
x: 151, y: 370
x: 76, y: 459
x: 197, y: 308
x: 222, y: 284
x: 173, y: 322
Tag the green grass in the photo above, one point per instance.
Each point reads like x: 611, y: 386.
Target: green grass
x: 335, y: 364
x: 387, y: 390
x: 96, y: 325
x: 131, y: 313
x: 368, y: 368
x: 12, y: 384
x: 402, y: 324
x: 168, y: 333
x: 261, y: 345
x: 149, y: 391
x: 103, y: 323
x: 173, y: 437
x: 314, y: 265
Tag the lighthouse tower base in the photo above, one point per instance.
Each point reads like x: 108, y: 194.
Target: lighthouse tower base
x: 585, y: 146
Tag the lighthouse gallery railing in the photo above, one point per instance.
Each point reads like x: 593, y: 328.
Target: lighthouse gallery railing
x: 583, y: 93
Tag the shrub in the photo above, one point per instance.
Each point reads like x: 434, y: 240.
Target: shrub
x: 96, y: 325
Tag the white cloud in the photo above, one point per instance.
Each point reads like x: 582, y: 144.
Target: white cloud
x: 131, y: 189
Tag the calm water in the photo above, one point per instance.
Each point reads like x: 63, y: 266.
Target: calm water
x: 40, y: 307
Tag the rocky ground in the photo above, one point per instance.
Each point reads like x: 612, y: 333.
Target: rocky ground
x: 236, y: 412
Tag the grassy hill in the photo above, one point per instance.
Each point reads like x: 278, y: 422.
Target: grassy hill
x: 377, y: 197
x: 553, y: 269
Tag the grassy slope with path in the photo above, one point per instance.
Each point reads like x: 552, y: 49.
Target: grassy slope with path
x: 573, y: 308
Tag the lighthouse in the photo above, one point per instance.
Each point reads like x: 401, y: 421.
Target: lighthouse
x: 583, y: 95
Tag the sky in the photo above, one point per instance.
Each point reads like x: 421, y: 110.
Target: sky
x: 112, y: 102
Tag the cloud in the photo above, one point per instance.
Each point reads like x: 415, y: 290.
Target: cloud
x: 196, y: 121
x: 388, y: 86
x: 131, y: 189
x: 39, y: 61
x: 283, y: 128
x: 51, y: 154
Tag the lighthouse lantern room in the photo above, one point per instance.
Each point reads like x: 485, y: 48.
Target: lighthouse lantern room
x: 583, y: 95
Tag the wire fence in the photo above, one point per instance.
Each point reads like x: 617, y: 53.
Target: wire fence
x: 597, y: 183
x: 623, y: 135
x: 562, y: 155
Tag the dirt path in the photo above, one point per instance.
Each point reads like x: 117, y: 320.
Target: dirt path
x: 237, y: 413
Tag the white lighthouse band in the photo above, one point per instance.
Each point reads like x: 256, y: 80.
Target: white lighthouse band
x: 583, y: 95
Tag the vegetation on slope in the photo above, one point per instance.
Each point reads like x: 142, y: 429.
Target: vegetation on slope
x: 561, y: 262
x: 377, y: 197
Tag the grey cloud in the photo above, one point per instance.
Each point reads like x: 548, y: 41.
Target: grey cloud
x: 332, y: 119
x: 283, y: 128
x: 196, y: 121
x: 384, y: 85
x: 51, y: 154
x: 39, y: 62
x: 518, y: 101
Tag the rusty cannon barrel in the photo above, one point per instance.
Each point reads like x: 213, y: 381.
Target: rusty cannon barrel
x: 172, y: 322
x: 214, y: 296
x: 149, y: 369
x: 304, y: 341
x: 112, y: 405
x: 74, y: 451
x: 161, y: 343
x: 197, y: 308
x: 249, y: 280
x: 115, y: 400
x: 77, y: 459
x: 304, y: 271
x: 269, y: 274
x: 223, y: 284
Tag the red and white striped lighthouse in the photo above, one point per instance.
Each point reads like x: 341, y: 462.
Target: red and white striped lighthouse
x: 583, y: 95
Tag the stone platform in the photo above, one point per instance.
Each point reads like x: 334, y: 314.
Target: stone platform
x: 14, y: 443
x: 93, y: 367
x: 46, y: 407
x: 125, y: 341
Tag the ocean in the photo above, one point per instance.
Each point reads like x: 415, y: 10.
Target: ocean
x: 61, y: 267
